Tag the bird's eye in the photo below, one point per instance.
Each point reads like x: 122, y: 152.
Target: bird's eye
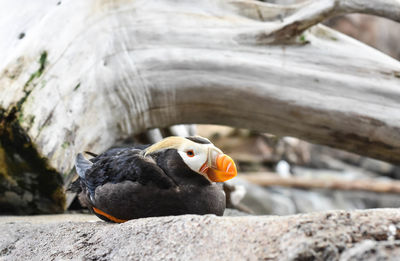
x: 190, y: 153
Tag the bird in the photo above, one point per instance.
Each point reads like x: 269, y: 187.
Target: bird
x: 175, y: 176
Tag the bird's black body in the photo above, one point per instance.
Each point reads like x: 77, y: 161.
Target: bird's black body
x: 125, y: 184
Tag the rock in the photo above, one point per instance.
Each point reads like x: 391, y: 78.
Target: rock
x: 377, y: 166
x: 47, y: 219
x: 334, y: 235
x: 369, y: 250
x: 263, y: 201
x: 286, y: 201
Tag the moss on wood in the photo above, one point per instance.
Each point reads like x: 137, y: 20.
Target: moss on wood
x: 28, y: 185
x: 38, y: 73
x: 77, y: 86
x: 25, y: 172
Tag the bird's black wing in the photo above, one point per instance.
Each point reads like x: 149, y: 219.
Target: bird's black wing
x: 121, y: 164
x: 116, y: 151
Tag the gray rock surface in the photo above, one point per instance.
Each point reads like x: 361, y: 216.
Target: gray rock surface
x: 369, y: 250
x: 333, y: 235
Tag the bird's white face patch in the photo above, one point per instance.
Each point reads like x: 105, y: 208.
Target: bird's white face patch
x: 198, y: 153
x: 195, y: 154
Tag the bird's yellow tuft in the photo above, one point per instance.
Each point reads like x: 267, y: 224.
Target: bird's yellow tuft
x: 172, y: 142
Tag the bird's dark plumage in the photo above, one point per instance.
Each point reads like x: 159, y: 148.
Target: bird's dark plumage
x: 125, y: 183
x: 198, y: 139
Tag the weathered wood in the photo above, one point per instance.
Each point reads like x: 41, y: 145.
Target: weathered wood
x: 121, y: 67
x: 371, y: 185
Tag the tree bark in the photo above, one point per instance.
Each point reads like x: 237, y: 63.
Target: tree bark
x: 84, y: 75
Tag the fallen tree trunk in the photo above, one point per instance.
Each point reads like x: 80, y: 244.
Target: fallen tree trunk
x: 371, y: 185
x: 122, y: 67
x: 335, y: 235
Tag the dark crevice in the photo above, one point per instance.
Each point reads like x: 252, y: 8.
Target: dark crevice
x: 27, y: 184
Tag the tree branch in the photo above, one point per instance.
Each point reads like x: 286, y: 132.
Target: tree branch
x: 371, y: 185
x: 292, y: 20
x: 385, y: 8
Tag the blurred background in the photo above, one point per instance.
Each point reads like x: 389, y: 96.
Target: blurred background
x: 285, y: 175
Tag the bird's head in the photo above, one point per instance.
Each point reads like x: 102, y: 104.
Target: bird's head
x: 200, y: 155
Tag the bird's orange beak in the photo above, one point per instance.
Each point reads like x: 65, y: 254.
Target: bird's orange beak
x: 219, y: 167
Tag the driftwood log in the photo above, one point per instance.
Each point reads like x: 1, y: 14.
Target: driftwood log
x: 266, y: 179
x: 83, y: 75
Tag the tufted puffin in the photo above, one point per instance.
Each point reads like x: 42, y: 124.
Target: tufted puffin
x: 175, y: 176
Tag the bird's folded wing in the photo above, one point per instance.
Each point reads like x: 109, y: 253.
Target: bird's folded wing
x: 125, y: 165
